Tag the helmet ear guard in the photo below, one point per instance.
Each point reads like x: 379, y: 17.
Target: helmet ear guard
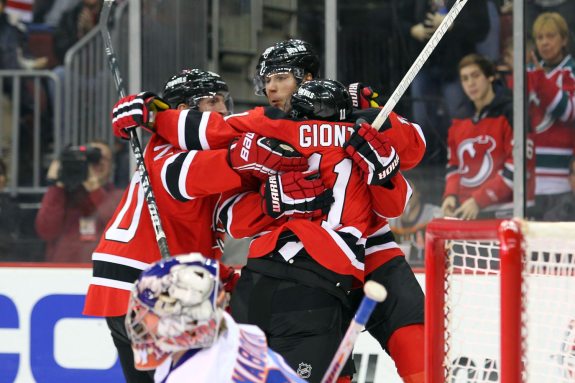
x: 322, y: 100
x: 174, y: 307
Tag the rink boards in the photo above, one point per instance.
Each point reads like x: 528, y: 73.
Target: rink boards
x: 44, y: 338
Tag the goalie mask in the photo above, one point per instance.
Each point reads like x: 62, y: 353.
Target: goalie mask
x: 322, y: 100
x: 190, y: 86
x: 174, y: 307
x: 289, y: 56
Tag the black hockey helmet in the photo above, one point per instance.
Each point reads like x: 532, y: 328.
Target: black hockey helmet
x: 191, y: 85
x: 295, y: 56
x: 322, y: 100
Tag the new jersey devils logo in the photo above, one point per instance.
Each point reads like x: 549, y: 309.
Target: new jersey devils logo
x: 475, y: 160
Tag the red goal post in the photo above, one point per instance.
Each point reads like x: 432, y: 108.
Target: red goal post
x: 487, y: 278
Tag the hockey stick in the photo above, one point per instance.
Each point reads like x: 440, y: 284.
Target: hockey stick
x: 418, y: 63
x: 374, y: 294
x: 134, y: 141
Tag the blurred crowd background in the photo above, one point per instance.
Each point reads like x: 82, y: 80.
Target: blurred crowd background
x: 57, y: 192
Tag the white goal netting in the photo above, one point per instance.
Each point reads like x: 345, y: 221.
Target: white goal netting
x: 549, y: 288
x: 472, y: 306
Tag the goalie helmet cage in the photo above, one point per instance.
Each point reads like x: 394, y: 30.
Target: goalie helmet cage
x: 487, y: 278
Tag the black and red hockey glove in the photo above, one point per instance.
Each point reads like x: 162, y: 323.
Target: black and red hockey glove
x: 136, y: 110
x: 373, y: 153
x: 261, y: 157
x: 362, y: 96
x: 296, y: 194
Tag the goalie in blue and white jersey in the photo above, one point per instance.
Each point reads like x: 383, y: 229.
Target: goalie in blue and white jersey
x: 178, y: 326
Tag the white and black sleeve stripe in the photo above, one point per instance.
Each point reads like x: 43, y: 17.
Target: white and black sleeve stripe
x: 175, y: 173
x: 192, y: 126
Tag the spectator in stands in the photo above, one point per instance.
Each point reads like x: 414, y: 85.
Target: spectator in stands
x: 12, y: 43
x: 11, y: 40
x: 566, y: 8
x: 20, y: 10
x: 490, y: 47
x: 436, y: 85
x: 40, y: 9
x: 564, y: 209
x: 50, y: 12
x: 75, y: 24
x: 409, y: 228
x: 76, y: 208
x: 480, y: 160
x: 551, y: 86
x: 9, y: 218
x: 505, y: 66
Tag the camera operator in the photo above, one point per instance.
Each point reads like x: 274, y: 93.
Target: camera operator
x: 78, y: 204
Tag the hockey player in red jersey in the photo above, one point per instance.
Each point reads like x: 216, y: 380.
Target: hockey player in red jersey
x: 335, y: 244
x: 335, y: 248
x: 128, y: 244
x: 398, y: 323
x: 401, y: 319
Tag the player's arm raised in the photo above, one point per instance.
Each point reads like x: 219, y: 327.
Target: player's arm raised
x: 186, y: 129
x: 249, y: 160
x: 187, y: 175
x: 390, y: 201
x: 249, y: 154
x: 373, y: 153
x: 406, y: 137
x: 259, y: 157
x: 408, y: 140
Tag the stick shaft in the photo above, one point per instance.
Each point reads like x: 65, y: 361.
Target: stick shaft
x: 134, y: 141
x: 418, y: 63
x: 346, y: 346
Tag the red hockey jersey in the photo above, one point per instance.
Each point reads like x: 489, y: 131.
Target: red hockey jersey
x: 337, y: 242
x: 552, y: 119
x: 242, y: 216
x: 128, y: 244
x: 480, y: 155
x: 380, y: 246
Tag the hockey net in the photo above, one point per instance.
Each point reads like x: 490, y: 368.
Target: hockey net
x: 488, y: 278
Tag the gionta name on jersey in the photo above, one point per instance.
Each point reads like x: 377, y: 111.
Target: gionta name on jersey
x: 326, y: 135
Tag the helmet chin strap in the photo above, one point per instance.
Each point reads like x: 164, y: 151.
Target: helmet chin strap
x: 287, y: 106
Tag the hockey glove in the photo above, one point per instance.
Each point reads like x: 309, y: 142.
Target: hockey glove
x: 296, y: 194
x: 362, y: 96
x: 373, y: 153
x: 261, y: 157
x: 229, y: 277
x: 136, y: 110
